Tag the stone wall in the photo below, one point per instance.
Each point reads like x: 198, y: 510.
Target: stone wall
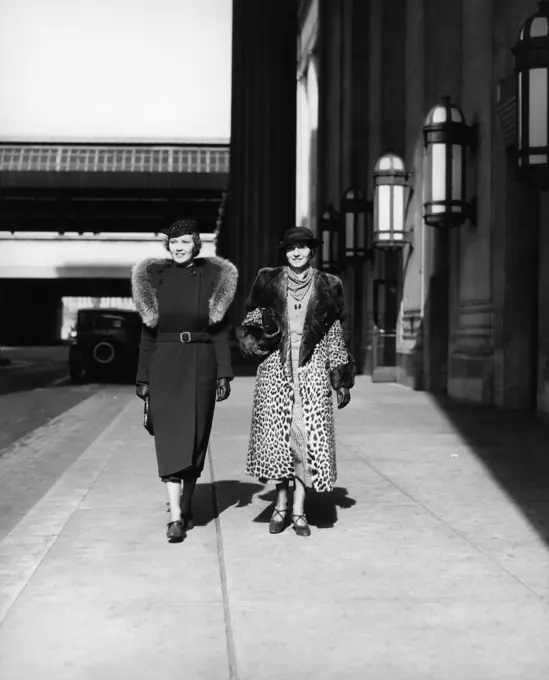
x: 472, y: 321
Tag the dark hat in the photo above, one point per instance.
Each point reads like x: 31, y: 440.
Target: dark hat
x: 182, y: 228
x: 299, y: 235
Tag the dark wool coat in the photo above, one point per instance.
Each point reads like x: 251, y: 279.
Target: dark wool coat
x: 183, y: 377
x: 324, y: 364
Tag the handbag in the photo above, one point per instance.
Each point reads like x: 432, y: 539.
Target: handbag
x: 268, y: 321
x: 270, y: 330
x: 147, y: 417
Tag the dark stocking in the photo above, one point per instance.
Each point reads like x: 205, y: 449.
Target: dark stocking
x: 189, y: 485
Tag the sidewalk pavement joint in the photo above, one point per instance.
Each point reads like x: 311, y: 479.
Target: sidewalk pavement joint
x: 229, y: 632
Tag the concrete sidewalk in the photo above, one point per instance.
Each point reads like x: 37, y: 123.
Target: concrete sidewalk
x: 430, y: 560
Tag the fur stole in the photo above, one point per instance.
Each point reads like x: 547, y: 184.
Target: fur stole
x: 326, y: 305
x: 145, y: 279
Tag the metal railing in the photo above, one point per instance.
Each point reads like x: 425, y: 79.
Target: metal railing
x: 159, y: 159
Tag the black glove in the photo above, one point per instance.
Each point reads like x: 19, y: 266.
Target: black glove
x: 223, y: 389
x: 343, y: 397
x: 142, y: 390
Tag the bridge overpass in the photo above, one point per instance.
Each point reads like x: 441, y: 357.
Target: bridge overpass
x: 74, y: 218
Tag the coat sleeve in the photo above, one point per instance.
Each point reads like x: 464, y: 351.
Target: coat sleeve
x: 147, y: 348
x: 221, y: 339
x: 342, y: 363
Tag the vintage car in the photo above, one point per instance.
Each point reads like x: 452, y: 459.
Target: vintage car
x: 104, y: 345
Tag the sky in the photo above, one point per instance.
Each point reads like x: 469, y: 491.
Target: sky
x: 115, y: 70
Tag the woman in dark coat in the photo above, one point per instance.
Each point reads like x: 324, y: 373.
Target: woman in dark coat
x: 184, y: 359
x: 292, y: 440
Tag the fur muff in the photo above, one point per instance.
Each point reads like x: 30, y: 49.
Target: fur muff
x: 147, y: 274
x: 324, y: 364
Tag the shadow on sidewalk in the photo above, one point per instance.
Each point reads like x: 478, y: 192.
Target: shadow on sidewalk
x: 514, y: 448
x: 227, y: 494
x: 322, y: 509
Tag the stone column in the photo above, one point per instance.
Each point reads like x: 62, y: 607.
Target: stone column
x: 261, y: 203
x: 515, y: 245
x: 442, y: 69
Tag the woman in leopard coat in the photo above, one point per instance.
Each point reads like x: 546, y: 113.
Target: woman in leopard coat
x: 292, y: 440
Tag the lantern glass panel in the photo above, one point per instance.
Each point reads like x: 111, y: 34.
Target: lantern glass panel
x: 539, y: 27
x: 361, y: 231
x: 326, y: 237
x: 349, y: 231
x: 398, y: 211
x: 439, y: 115
x: 438, y: 172
x: 457, y: 163
x: 384, y: 208
x: 456, y: 115
x: 538, y: 107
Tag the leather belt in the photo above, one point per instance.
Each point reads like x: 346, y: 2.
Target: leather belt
x: 184, y: 337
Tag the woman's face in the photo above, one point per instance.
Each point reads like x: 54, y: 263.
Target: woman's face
x: 298, y: 255
x: 181, y: 248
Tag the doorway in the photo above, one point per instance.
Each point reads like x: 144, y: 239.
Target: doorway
x: 384, y: 354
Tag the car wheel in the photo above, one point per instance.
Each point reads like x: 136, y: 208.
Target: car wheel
x: 104, y: 353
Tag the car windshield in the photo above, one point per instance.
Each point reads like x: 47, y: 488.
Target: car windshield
x: 91, y: 319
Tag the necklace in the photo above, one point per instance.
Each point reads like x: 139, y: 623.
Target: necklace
x: 299, y: 286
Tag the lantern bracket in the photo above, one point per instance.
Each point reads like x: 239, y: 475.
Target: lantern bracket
x: 473, y: 135
x: 472, y: 211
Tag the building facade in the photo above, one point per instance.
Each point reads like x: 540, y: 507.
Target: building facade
x: 465, y: 307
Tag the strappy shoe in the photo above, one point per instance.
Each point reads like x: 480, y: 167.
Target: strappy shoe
x: 176, y: 532
x: 277, y: 524
x: 301, y: 529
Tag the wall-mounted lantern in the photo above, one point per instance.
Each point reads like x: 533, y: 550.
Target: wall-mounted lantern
x: 532, y: 73
x: 330, y: 228
x: 390, y: 192
x: 446, y: 138
x: 354, y: 207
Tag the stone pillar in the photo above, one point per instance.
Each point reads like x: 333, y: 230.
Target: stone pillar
x: 442, y: 67
x: 515, y: 272
x: 515, y: 243
x: 261, y: 203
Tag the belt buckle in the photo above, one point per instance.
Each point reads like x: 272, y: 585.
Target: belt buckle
x: 182, y: 338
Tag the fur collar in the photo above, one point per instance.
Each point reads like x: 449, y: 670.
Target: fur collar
x: 326, y: 305
x: 146, y: 276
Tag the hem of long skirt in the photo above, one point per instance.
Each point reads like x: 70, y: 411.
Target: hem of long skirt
x: 186, y: 472
x: 291, y: 479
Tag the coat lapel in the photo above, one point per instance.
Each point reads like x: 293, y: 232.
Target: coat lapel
x: 314, y: 328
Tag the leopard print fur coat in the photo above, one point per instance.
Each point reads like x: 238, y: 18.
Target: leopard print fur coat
x: 324, y: 364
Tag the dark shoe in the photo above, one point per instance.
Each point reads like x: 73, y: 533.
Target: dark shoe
x: 278, y: 521
x: 187, y: 519
x: 301, y: 528
x: 176, y: 532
